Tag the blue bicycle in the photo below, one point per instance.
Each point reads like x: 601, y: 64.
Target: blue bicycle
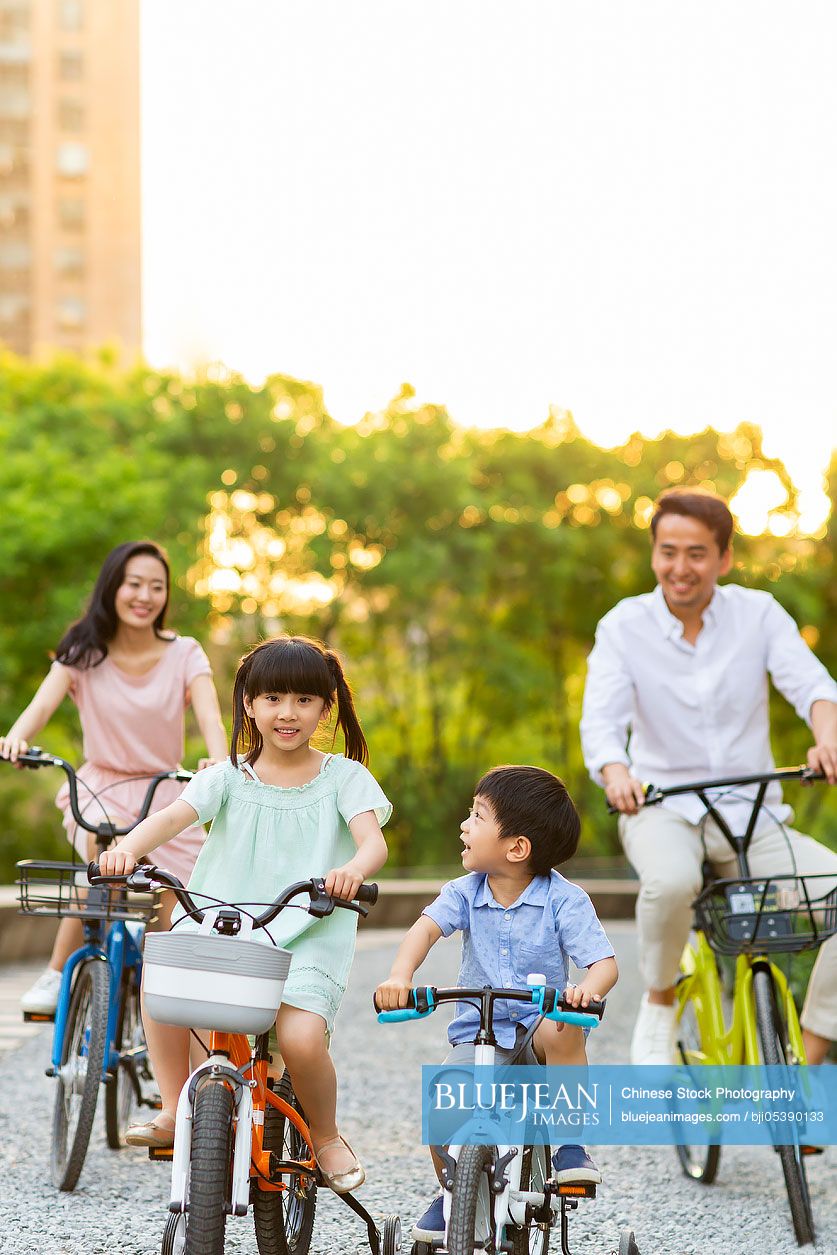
x: 98, y: 1036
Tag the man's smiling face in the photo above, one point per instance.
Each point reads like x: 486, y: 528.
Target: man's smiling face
x: 687, y: 562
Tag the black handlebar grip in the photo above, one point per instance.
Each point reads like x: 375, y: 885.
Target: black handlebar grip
x: 595, y: 1007
x: 367, y: 893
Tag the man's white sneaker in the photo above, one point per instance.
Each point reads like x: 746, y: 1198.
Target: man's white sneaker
x: 42, y: 998
x: 654, y: 1034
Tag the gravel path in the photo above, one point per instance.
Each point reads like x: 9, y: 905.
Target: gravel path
x: 120, y: 1203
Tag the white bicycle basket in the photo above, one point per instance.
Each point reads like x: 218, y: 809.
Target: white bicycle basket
x: 203, y: 980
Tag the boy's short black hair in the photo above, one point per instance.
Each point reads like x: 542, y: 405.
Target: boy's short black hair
x: 531, y: 802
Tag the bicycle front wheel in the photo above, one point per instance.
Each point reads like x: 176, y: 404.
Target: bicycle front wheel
x: 774, y: 1050
x: 82, y: 1059
x: 284, y: 1219
x: 124, y: 1092
x: 532, y: 1239
x: 471, y: 1206
x: 209, y: 1177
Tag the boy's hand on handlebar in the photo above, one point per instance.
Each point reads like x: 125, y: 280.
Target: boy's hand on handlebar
x: 117, y: 862
x: 343, y: 882
x: 623, y: 792
x: 392, y: 994
x: 580, y: 995
x: 12, y: 746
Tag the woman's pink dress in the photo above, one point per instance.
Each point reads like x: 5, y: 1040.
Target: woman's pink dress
x: 133, y: 725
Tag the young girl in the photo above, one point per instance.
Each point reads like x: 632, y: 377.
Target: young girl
x: 281, y: 812
x: 131, y: 681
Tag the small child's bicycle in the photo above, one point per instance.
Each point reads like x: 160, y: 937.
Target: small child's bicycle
x: 239, y: 1140
x: 98, y: 1037
x: 501, y: 1198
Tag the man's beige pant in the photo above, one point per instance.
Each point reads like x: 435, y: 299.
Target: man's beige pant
x: 667, y: 854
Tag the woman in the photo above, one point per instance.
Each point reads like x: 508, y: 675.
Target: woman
x: 131, y: 680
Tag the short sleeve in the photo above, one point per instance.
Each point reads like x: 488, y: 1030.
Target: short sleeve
x: 206, y: 790
x: 195, y: 661
x: 580, y: 934
x: 450, y: 910
x: 359, y: 791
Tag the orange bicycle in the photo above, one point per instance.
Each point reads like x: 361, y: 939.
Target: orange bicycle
x: 240, y: 1139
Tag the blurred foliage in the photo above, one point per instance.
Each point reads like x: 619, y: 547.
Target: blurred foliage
x: 461, y: 573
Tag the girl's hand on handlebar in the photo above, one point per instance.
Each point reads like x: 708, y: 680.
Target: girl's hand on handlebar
x: 12, y: 746
x: 343, y: 882
x: 117, y: 862
x: 392, y: 994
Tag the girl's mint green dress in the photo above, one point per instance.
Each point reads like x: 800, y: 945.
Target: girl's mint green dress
x: 263, y: 838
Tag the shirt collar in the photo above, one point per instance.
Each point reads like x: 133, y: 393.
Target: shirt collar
x: 670, y: 625
x: 535, y: 894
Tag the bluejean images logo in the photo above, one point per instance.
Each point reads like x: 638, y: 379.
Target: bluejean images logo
x: 624, y: 1105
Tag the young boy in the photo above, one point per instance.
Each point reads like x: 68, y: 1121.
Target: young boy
x: 516, y: 916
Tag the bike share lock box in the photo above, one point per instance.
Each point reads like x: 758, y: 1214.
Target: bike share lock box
x: 202, y: 980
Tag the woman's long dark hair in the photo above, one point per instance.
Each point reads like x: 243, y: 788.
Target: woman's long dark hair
x: 293, y: 664
x: 85, y: 643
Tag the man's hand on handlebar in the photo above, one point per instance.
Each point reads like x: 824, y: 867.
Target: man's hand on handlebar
x: 623, y: 791
x: 117, y: 862
x: 823, y: 759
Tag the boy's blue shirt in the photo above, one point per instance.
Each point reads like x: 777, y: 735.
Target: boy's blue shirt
x: 553, y: 919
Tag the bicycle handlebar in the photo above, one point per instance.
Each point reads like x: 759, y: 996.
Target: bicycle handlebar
x: 35, y: 757
x: 654, y: 794
x: 145, y: 877
x: 549, y: 1001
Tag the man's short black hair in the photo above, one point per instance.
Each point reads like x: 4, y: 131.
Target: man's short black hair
x: 530, y: 802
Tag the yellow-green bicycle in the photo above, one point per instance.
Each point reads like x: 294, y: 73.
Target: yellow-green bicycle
x: 748, y: 919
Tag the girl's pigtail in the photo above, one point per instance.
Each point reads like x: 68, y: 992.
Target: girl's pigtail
x: 244, y: 729
x: 347, y: 719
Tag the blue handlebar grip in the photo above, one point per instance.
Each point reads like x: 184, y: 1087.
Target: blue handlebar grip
x: 575, y: 1017
x: 404, y: 1013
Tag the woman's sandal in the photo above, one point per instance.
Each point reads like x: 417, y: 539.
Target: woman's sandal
x: 155, y: 1134
x: 341, y: 1182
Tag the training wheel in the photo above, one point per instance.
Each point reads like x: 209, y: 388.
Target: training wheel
x: 391, y: 1235
x: 627, y: 1244
x: 174, y: 1234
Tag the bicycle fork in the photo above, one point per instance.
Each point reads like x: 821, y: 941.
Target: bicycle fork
x: 217, y: 1066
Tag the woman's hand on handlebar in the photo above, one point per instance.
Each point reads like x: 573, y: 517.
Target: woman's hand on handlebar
x: 623, y: 791
x: 117, y: 862
x: 12, y: 746
x: 203, y: 763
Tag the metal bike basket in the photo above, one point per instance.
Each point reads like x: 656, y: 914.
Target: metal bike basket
x: 771, y: 914
x: 198, y: 980
x: 62, y: 889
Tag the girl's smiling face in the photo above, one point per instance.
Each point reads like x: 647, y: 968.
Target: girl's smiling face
x: 286, y: 721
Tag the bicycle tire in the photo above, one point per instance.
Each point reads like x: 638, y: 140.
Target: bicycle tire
x: 698, y: 1163
x: 209, y: 1176
x: 471, y: 1204
x: 80, y: 1073
x: 535, y: 1169
x: 123, y: 1094
x: 772, y: 1035
x: 627, y: 1243
x: 284, y: 1221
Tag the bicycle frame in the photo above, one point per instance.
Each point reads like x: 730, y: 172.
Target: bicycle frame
x: 231, y: 1059
x: 736, y: 1043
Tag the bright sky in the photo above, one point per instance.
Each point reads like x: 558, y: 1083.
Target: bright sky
x: 623, y: 209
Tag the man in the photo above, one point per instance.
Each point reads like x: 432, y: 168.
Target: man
x: 685, y: 669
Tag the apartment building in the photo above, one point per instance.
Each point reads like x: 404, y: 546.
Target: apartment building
x: 69, y: 175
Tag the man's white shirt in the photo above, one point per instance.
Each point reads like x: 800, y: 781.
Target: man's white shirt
x: 696, y: 712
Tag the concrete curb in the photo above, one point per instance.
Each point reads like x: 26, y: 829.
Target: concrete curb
x: 399, y: 905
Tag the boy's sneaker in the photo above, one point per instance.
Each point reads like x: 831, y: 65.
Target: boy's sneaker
x: 653, y: 1040
x: 42, y: 997
x: 572, y: 1165
x: 431, y: 1226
